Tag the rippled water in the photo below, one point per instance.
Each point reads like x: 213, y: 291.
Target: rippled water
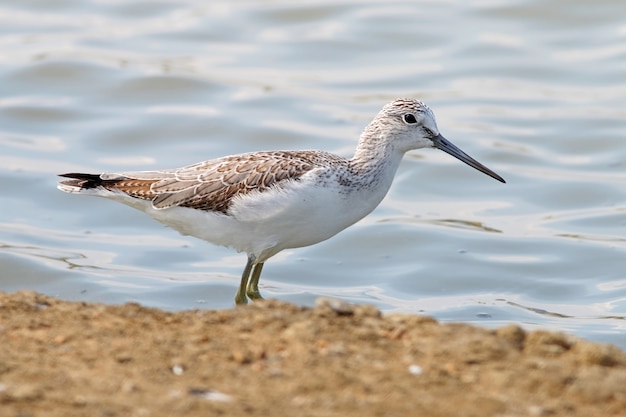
x: 535, y: 90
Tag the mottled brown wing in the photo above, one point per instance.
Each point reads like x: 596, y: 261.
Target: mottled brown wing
x: 212, y: 185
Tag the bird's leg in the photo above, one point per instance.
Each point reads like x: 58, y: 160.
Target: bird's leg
x: 253, y: 285
x: 240, y: 297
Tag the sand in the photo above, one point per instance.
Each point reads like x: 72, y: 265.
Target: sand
x: 271, y: 358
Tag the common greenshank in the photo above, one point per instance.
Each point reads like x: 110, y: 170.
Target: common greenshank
x: 263, y: 202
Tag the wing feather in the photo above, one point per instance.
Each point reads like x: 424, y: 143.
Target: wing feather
x: 212, y: 185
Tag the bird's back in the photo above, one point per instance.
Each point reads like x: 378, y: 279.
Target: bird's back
x: 210, y: 185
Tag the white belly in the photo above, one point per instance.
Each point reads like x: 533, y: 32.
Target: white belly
x: 263, y: 224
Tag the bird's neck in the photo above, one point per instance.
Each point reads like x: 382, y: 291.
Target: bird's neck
x: 375, y: 159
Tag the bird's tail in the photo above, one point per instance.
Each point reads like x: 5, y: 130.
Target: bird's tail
x: 80, y: 183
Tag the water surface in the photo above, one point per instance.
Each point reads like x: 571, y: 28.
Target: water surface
x: 534, y: 90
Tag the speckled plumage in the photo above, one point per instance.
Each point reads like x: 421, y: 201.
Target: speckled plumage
x: 212, y: 185
x: 263, y: 202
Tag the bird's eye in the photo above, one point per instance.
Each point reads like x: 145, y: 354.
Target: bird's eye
x: 409, y: 118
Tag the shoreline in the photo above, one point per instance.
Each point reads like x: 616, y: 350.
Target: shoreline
x: 61, y: 358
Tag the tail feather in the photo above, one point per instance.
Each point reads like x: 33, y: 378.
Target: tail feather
x: 82, y: 181
x: 106, y: 184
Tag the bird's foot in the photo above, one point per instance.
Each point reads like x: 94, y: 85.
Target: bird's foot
x: 241, y: 299
x: 255, y: 295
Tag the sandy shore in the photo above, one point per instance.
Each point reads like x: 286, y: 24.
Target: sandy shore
x: 275, y: 359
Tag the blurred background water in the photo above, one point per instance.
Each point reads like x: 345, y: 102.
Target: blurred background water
x: 536, y: 90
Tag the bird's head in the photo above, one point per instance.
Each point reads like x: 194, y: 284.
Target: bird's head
x: 411, y: 125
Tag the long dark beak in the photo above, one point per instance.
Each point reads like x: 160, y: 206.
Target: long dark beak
x: 445, y: 145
